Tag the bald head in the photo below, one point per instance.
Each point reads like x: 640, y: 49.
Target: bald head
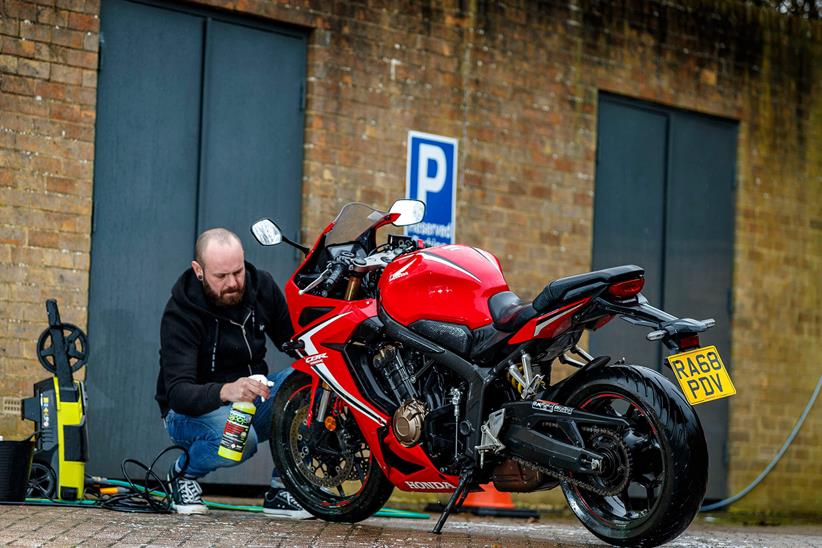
x: 220, y: 265
x: 217, y: 237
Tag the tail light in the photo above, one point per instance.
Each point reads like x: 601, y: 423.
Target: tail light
x: 626, y: 289
x: 688, y: 341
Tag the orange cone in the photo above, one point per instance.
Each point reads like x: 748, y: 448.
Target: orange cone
x: 489, y: 497
x: 490, y: 502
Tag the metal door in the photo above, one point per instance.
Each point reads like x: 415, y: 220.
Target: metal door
x: 628, y: 215
x: 665, y: 201
x: 199, y: 124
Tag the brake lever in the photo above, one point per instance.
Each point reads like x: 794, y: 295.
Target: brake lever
x: 291, y: 345
x: 316, y: 282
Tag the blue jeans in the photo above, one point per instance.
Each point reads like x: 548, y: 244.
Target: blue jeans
x: 201, y: 435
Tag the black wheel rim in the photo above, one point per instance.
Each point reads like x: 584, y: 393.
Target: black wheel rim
x: 330, y: 467
x: 636, y: 502
x: 41, y: 481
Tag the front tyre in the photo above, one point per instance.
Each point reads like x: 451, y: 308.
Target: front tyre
x: 663, y: 456
x: 327, y: 467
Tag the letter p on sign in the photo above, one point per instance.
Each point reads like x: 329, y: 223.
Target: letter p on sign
x: 430, y: 156
x: 432, y: 178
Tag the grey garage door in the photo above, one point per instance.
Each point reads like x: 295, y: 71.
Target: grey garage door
x: 665, y: 201
x: 199, y: 124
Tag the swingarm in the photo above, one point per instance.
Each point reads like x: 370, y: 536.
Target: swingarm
x: 524, y: 440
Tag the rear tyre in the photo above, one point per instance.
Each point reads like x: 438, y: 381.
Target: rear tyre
x: 663, y: 454
x: 329, y: 470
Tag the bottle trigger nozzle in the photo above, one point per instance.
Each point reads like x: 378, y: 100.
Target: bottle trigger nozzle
x: 261, y: 379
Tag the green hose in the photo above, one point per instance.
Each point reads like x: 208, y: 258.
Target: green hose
x: 384, y: 513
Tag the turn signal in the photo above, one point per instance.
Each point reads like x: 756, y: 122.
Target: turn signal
x: 629, y: 288
x: 330, y: 423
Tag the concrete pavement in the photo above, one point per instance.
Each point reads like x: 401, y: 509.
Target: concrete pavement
x: 49, y: 526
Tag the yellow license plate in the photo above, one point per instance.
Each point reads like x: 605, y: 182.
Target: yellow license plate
x: 702, y: 375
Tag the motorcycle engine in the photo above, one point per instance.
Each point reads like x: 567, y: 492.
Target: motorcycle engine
x: 438, y: 432
x: 389, y: 361
x: 423, y: 414
x: 410, y: 415
x: 407, y: 422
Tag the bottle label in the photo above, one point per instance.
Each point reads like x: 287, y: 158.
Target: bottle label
x: 235, y: 434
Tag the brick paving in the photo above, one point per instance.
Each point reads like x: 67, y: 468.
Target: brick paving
x: 48, y: 526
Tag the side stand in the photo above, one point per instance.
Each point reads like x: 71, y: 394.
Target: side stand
x: 466, y: 478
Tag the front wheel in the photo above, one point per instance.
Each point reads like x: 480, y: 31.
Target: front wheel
x: 327, y: 466
x: 656, y: 470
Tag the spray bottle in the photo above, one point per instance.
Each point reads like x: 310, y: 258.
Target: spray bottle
x: 238, y: 424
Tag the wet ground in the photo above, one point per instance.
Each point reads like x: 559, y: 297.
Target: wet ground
x: 39, y: 526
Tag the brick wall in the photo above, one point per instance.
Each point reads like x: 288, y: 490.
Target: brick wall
x: 517, y: 84
x: 48, y: 81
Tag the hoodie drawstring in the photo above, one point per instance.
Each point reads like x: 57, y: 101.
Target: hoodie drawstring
x: 214, y: 350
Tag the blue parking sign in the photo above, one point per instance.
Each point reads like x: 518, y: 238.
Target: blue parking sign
x: 431, y: 176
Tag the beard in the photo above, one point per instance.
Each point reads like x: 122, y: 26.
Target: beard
x: 224, y: 298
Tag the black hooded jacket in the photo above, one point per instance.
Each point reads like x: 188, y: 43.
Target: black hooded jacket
x: 203, y: 346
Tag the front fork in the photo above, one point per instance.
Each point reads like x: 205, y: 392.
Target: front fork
x: 318, y: 408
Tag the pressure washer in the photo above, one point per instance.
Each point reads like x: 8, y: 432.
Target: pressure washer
x: 58, y: 410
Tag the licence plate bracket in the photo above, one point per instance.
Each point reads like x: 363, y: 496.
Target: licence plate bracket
x: 702, y: 375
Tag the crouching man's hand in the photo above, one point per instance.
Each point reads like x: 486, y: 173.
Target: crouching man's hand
x: 243, y: 389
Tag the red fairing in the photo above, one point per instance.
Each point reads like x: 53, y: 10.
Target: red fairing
x: 328, y: 365
x: 450, y: 283
x: 297, y: 303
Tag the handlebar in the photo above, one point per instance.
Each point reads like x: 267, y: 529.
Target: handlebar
x: 316, y: 282
x: 337, y: 270
x: 328, y: 278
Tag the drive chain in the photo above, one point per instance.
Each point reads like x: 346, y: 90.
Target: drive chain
x: 602, y: 491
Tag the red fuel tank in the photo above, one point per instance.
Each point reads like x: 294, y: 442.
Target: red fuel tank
x: 450, y: 283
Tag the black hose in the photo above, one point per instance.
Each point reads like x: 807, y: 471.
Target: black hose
x: 153, y: 496
x: 767, y: 470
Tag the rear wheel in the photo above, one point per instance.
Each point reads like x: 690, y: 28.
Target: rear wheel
x: 327, y: 466
x: 655, y: 472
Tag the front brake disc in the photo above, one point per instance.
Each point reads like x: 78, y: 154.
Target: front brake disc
x: 323, y: 472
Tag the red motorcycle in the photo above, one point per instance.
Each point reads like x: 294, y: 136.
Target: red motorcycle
x: 419, y: 369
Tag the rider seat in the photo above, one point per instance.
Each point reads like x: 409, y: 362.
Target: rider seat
x: 509, y: 312
x: 563, y: 290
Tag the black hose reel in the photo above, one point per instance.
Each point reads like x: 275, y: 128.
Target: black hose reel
x: 75, y: 344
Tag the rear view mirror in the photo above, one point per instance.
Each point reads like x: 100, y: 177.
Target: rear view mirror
x: 266, y: 232
x: 411, y: 212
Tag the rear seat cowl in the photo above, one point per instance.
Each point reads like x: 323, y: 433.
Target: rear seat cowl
x: 554, y: 293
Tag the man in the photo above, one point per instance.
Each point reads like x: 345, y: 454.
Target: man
x: 212, y: 338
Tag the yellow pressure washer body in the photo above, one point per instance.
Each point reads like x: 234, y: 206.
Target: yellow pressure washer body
x: 58, y: 409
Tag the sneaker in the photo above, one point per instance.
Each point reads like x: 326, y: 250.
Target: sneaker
x: 280, y: 503
x: 186, y: 496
